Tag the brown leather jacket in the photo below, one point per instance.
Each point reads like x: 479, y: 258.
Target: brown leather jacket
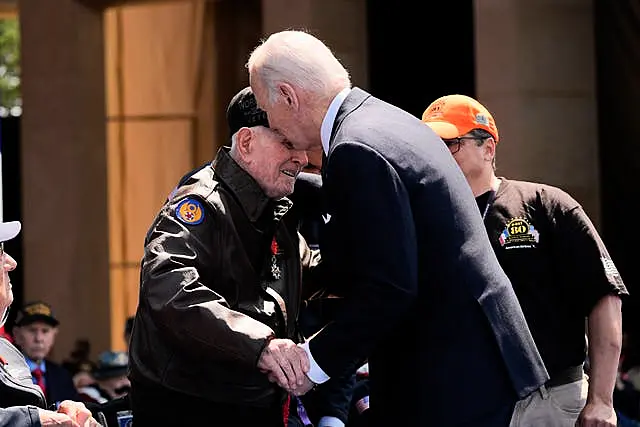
x: 210, y: 292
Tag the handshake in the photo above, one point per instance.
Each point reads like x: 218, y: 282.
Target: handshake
x: 286, y: 364
x: 69, y: 414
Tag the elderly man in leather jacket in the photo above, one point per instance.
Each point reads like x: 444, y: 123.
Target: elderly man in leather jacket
x: 220, y: 287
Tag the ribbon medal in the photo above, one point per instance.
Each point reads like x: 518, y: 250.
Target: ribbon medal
x: 275, y: 269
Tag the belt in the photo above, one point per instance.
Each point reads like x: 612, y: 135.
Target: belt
x: 566, y: 376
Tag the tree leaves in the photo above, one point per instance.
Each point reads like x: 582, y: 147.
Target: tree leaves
x: 10, y: 95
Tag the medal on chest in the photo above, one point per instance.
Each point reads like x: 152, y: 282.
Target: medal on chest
x: 275, y: 268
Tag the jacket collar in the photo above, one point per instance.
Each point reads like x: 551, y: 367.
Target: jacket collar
x: 354, y: 99
x: 249, y: 194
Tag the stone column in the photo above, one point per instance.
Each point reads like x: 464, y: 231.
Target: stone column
x: 64, y: 168
x: 159, y: 102
x: 535, y: 67
x: 341, y: 24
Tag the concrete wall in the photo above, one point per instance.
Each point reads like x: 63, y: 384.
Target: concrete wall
x: 535, y: 71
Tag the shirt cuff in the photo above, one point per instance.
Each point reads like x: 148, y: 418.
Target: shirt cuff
x: 330, y: 422
x: 315, y: 374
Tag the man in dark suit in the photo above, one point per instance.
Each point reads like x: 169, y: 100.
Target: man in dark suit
x: 35, y: 332
x: 427, y: 301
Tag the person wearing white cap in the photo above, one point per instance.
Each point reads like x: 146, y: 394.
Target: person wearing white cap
x: 23, y: 402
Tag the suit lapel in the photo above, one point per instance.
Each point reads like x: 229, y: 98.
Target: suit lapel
x: 324, y: 164
x: 354, y: 100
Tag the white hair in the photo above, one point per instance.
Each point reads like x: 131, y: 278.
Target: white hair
x: 301, y: 60
x: 233, y: 152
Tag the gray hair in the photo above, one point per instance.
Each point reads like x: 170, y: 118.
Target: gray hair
x: 483, y: 135
x: 301, y: 60
x: 233, y: 152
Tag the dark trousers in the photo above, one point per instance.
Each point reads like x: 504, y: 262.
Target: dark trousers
x: 154, y: 406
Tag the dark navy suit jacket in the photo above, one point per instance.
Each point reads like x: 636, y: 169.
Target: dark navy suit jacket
x: 427, y: 301
x: 59, y: 384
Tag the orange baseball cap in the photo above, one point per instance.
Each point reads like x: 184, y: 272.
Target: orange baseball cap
x: 452, y: 116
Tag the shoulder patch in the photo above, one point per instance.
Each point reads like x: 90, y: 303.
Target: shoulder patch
x: 190, y: 211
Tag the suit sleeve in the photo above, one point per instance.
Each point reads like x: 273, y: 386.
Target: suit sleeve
x: 377, y: 261
x: 20, y: 416
x: 185, y: 301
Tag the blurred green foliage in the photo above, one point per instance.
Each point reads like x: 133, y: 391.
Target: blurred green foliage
x: 10, y: 63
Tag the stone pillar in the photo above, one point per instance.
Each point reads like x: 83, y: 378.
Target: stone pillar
x: 64, y: 175
x: 237, y: 28
x: 159, y: 127
x: 341, y: 24
x: 535, y: 66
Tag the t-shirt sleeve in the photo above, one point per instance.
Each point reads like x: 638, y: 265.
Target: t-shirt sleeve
x: 588, y: 266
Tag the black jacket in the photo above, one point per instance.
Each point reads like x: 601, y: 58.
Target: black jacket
x: 209, y: 298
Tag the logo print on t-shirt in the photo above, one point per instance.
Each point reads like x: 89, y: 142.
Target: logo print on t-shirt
x: 519, y: 234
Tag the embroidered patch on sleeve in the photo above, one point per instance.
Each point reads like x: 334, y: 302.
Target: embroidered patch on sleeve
x: 190, y: 211
x: 611, y: 271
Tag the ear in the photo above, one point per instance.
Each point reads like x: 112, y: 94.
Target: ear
x: 289, y: 95
x: 489, y: 149
x: 244, y: 141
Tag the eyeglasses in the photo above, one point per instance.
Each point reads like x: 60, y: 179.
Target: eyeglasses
x: 454, y: 144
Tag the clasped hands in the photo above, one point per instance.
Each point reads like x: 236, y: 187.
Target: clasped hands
x: 69, y: 414
x: 286, y: 364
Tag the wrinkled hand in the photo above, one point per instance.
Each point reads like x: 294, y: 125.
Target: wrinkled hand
x: 50, y: 418
x: 78, y: 412
x: 285, y: 363
x: 597, y: 414
x: 307, y: 385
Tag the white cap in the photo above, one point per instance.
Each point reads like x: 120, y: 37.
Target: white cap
x: 9, y: 230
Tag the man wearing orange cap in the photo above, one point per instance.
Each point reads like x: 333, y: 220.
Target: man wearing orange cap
x: 559, y: 268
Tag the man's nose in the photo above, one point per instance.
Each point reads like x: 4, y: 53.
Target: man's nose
x: 9, y: 263
x: 300, y: 157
